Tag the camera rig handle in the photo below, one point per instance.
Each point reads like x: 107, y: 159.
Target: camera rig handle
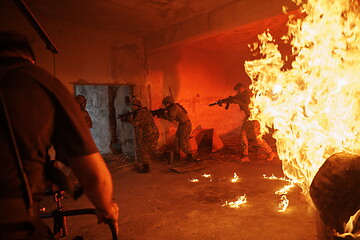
x: 59, y: 216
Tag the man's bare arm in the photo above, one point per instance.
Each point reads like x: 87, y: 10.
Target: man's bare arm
x: 95, y: 178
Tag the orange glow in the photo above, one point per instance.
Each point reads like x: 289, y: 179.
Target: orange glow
x: 313, y: 106
x: 196, y: 78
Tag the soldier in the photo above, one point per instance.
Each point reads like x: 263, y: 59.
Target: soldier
x: 81, y: 100
x: 242, y: 98
x: 146, y: 133
x: 175, y: 111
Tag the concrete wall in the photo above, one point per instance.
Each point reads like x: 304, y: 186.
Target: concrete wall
x: 197, y: 78
x: 87, y: 55
x: 199, y: 75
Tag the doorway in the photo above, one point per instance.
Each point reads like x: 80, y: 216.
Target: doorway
x: 104, y: 103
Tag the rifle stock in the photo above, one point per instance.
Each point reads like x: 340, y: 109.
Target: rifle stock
x: 226, y: 101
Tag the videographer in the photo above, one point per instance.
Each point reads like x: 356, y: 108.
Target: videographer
x: 36, y: 112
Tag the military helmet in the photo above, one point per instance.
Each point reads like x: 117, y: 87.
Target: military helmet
x: 136, y: 102
x: 168, y: 100
x: 238, y: 86
x: 80, y: 99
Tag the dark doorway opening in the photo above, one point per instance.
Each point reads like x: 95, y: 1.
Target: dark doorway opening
x: 104, y: 103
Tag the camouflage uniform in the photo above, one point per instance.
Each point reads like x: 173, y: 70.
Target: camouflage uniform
x: 146, y: 134
x: 249, y: 127
x: 81, y: 100
x: 176, y: 112
x: 87, y: 117
x: 253, y: 127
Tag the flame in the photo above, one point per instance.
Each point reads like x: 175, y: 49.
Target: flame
x: 284, y: 202
x: 285, y: 189
x: 273, y: 177
x: 194, y: 180
x: 313, y: 106
x: 349, y: 227
x: 206, y: 175
x: 235, y: 178
x: 240, y: 201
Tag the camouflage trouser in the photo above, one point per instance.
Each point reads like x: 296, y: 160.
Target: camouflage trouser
x: 252, y: 128
x: 182, y: 137
x: 146, y: 146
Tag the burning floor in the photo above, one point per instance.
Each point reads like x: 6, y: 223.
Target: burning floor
x: 217, y: 198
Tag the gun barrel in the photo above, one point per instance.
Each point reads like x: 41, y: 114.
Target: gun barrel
x: 125, y: 114
x: 155, y: 112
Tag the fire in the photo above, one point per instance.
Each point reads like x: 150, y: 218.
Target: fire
x: 194, y: 180
x: 235, y: 178
x: 313, y: 106
x: 273, y: 177
x: 284, y: 202
x: 240, y: 201
x: 285, y: 189
x: 349, y: 227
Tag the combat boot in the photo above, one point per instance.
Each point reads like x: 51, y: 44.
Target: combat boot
x: 190, y: 158
x: 245, y: 158
x: 145, y: 168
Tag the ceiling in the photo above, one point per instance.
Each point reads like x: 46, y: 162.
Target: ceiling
x: 137, y: 17
x: 238, y: 39
x: 144, y: 17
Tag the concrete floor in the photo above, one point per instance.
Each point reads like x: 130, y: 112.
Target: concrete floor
x: 166, y: 205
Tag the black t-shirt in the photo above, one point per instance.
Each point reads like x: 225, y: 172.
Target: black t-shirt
x: 42, y: 113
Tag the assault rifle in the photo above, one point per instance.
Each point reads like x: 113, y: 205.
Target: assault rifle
x: 124, y: 115
x: 158, y: 112
x: 226, y: 101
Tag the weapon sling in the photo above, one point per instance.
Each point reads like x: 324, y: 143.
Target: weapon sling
x: 20, y: 166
